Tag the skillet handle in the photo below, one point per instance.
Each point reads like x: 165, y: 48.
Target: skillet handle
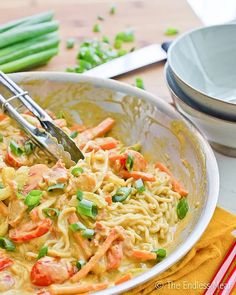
x: 165, y: 45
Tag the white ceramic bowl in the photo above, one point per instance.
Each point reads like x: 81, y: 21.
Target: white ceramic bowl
x: 203, y: 62
x: 220, y: 133
x: 142, y: 117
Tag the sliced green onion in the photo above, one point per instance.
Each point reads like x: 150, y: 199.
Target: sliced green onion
x: 88, y: 233
x: 87, y: 208
x: 122, y: 52
x: 15, y: 148
x: 29, y: 147
x: 182, y: 208
x: 1, y: 185
x: 105, y: 39
x: 136, y: 147
x: 126, y: 36
x: 43, y: 252
x: 161, y: 253
x: 79, y: 195
x: 129, y: 163
x: 60, y: 115
x: 70, y: 43
x: 1, y: 137
x: 139, y: 83
x: 139, y: 185
x: 118, y: 44
x: 122, y: 194
x: 96, y: 28
x: 20, y: 196
x: 7, y: 244
x: 78, y: 226
x: 33, y: 198
x: 112, y: 9
x: 80, y: 263
x: 74, y: 134
x: 52, y: 213
x: 171, y: 31
x: 99, y: 17
x: 56, y: 186
x: 76, y: 171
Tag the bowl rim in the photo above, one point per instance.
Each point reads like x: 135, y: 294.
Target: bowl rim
x: 202, y: 113
x: 170, y: 53
x: 210, y: 162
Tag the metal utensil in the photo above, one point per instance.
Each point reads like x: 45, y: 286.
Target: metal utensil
x: 51, y: 138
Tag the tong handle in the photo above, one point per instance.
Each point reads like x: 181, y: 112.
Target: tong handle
x: 24, y: 98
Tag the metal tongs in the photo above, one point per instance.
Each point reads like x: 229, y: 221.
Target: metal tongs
x: 51, y: 138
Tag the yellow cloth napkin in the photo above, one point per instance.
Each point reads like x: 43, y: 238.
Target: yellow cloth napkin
x: 191, y: 274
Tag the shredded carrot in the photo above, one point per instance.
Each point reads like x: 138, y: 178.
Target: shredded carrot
x: 108, y: 199
x: 77, y: 127
x: 82, y: 242
x: 123, y: 279
x: 2, y: 117
x: 109, y: 145
x: 143, y: 255
x: 114, y: 157
x: 114, y: 234
x: 137, y: 175
x: 76, y: 289
x: 176, y: 185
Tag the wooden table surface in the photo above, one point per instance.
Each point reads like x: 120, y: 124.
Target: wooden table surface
x: 148, y: 18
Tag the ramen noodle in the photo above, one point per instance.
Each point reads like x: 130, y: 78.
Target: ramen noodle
x: 80, y: 230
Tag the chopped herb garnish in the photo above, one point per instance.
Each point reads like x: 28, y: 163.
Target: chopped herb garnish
x: 80, y: 263
x: 112, y: 10
x: 76, y: 171
x: 139, y: 185
x: 126, y: 36
x: 43, y: 252
x: 51, y: 213
x: 7, y: 244
x: 1, y: 137
x: 171, y: 31
x: 161, y: 253
x: 29, y: 147
x: 87, y: 208
x: 96, y: 28
x: 182, y: 208
x: 74, y: 134
x: 99, y: 17
x: 105, y: 39
x: 70, y: 43
x: 78, y: 226
x: 118, y: 44
x: 129, y: 163
x: 88, y: 233
x: 79, y: 195
x: 15, y: 148
x: 122, y: 194
x: 33, y: 198
x: 139, y: 83
x: 56, y: 186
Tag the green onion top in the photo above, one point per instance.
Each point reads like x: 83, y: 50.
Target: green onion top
x: 139, y: 83
x: 29, y: 147
x: 74, y: 134
x: 7, y: 244
x: 43, y: 252
x: 60, y: 115
x: 78, y: 226
x: 79, y: 195
x: 118, y: 44
x: 76, y: 171
x: 88, y: 233
x: 171, y: 31
x: 96, y: 28
x: 15, y: 148
x: 122, y: 194
x: 161, y: 253
x: 105, y: 39
x: 182, y: 208
x: 112, y: 10
x: 33, y: 198
x: 129, y: 163
x: 1, y: 137
x: 51, y: 213
x: 70, y: 43
x: 80, y: 263
x: 1, y: 185
x: 139, y: 185
x: 126, y: 36
x: 56, y: 186
x: 87, y: 208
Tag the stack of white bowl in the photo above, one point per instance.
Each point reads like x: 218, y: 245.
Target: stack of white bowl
x: 201, y: 76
